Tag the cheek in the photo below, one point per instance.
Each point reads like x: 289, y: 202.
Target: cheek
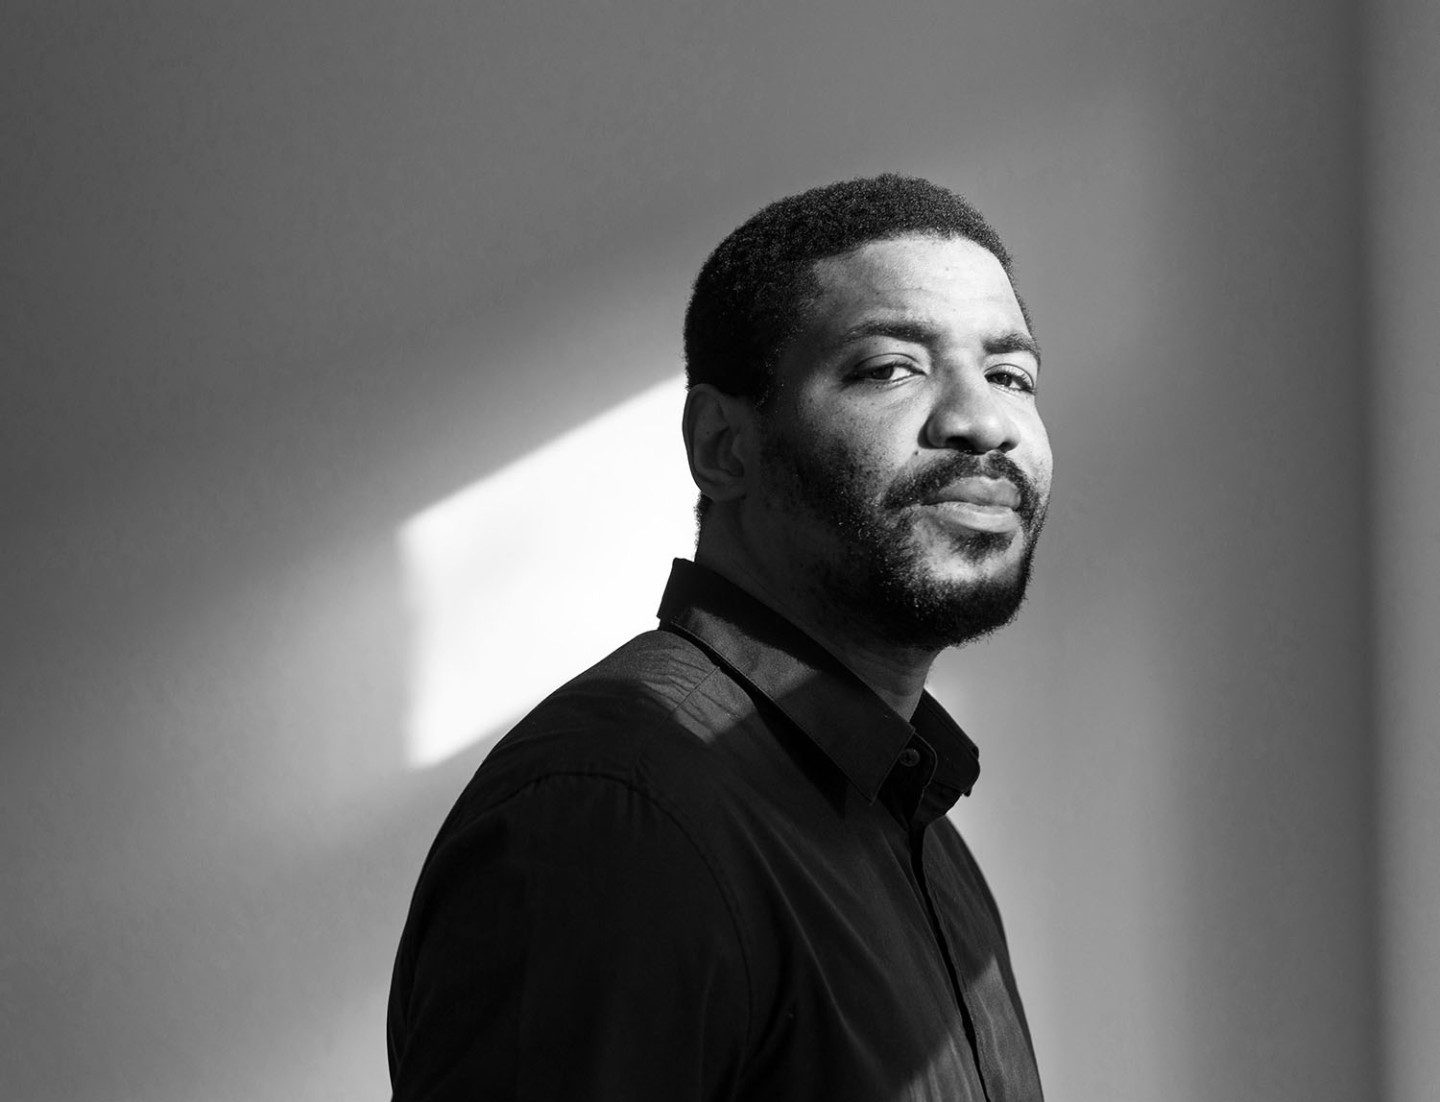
x: 1036, y: 447
x: 870, y: 446
x: 861, y: 467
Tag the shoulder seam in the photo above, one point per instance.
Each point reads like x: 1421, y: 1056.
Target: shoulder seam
x: 684, y: 700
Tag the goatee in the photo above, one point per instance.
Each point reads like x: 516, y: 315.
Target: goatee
x: 881, y: 578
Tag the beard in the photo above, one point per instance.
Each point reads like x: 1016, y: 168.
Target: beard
x: 873, y: 566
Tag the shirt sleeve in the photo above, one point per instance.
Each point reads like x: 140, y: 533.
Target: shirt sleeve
x: 571, y: 943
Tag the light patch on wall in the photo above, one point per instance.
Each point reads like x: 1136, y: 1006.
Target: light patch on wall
x: 530, y: 575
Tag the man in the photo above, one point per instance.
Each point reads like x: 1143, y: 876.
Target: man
x: 717, y: 865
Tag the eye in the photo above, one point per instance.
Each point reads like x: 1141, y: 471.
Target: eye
x: 1010, y: 377
x: 883, y: 371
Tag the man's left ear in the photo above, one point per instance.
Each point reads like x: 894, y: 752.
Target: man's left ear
x: 720, y: 433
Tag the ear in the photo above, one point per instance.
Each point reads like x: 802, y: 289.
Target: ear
x: 719, y: 432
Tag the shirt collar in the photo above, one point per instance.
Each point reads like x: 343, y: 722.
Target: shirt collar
x: 842, y: 715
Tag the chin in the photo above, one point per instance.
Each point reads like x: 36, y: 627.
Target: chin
x: 952, y: 599
x: 976, y: 566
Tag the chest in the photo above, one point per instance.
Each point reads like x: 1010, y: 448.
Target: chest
x: 876, y: 945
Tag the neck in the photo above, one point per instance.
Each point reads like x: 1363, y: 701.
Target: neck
x: 895, y: 674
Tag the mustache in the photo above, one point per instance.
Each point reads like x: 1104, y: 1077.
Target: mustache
x: 917, y: 488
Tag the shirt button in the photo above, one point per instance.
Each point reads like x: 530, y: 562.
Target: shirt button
x: 909, y: 757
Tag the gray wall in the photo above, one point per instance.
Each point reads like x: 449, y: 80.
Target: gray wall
x: 1403, y: 261
x: 277, y: 277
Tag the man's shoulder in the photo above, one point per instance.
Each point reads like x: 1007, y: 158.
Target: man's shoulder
x: 643, y: 688
x: 647, y: 716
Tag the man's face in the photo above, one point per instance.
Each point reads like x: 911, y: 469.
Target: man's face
x: 905, y: 469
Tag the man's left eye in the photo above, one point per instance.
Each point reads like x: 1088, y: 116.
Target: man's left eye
x: 886, y: 371
x: 1012, y: 378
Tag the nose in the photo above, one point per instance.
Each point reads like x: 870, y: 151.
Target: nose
x: 968, y: 415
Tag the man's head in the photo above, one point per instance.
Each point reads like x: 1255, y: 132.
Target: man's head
x: 862, y: 409
x: 753, y: 290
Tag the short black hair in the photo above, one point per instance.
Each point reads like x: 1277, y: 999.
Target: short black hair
x: 751, y: 293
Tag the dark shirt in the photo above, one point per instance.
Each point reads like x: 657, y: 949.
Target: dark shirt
x: 714, y: 866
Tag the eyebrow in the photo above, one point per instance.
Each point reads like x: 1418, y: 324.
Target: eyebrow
x: 921, y: 332
x: 1014, y: 341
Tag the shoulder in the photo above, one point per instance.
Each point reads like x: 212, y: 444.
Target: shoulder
x: 643, y: 719
x: 610, y: 783
x: 565, y: 886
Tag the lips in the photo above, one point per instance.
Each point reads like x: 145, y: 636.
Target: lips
x: 996, y: 492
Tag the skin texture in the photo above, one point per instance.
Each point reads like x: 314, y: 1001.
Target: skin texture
x: 910, y: 380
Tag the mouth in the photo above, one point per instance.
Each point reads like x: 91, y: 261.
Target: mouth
x: 997, y: 492
x: 976, y: 518
x: 978, y: 504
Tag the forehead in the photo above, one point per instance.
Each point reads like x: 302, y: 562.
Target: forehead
x: 950, y: 282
